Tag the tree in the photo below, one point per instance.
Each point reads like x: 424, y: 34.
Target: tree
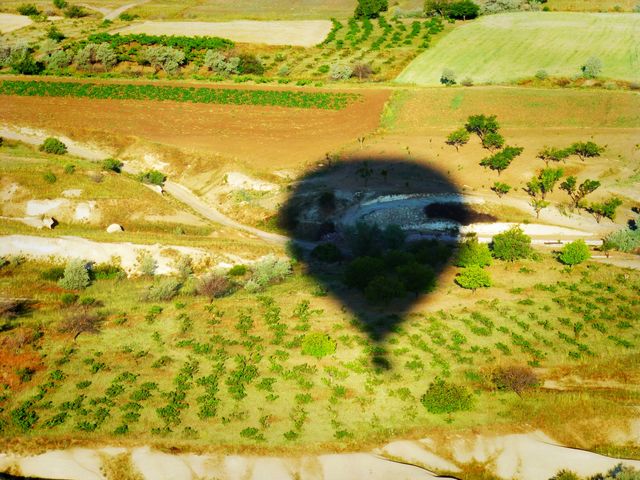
x: 605, y: 209
x: 591, y: 68
x: 370, y: 8
x: 22, y: 62
x: 85, y: 58
x: 76, y: 275
x: 416, y: 278
x: 586, y: 150
x: 544, y: 183
x: 57, y: 60
x: 82, y: 321
x: 153, y: 177
x: 552, y: 154
x: 473, y: 277
x: 28, y: 10
x: 473, y: 252
x: 218, y: 62
x: 106, y: 56
x: 448, y: 77
x: 113, y: 165
x: 574, y: 253
x: 458, y: 138
x: 437, y: 7
x: 501, y: 160
x: 164, y: 58
x: 493, y: 141
x: 577, y: 193
x: 511, y: 245
x: 516, y: 378
x: 365, y: 172
x: 501, y: 189
x: 361, y: 270
x: 538, y: 205
x: 463, y: 10
x: 362, y: 70
x: 482, y: 124
x: 53, y: 145
x: 339, y: 71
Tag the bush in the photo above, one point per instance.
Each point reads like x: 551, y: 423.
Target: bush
x: 238, y: 270
x: 501, y: 188
x: 574, y: 253
x: 340, y: 72
x: 448, y: 77
x: 443, y: 397
x: 516, y: 378
x: 416, y: 278
x: 370, y: 8
x: 53, y: 274
x: 22, y: 62
x: 218, y: 62
x: 625, y: 240
x: 318, y: 345
x: 82, y: 321
x: 382, y: 289
x: 591, y: 68
x: 270, y: 269
x: 68, y: 299
x: 473, y: 277
x: 28, y: 10
x: 213, y: 286
x: 76, y: 276
x: 361, y: 270
x: 541, y: 75
x: 113, y: 165
x: 162, y: 291
x: 146, y: 264
x: 153, y: 177
x: 565, y: 475
x: 106, y: 271
x: 60, y: 4
x: 511, y: 245
x: 49, y: 177
x: 54, y: 146
x: 54, y: 34
x: 250, y: 65
x: 472, y: 252
x: 327, y: 252
x: 75, y: 11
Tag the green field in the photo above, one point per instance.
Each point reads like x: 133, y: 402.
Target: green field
x: 505, y: 48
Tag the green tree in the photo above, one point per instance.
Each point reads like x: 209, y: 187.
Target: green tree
x: 586, y: 150
x: 164, y: 58
x: 463, y: 10
x: 448, y: 77
x: 76, y: 275
x: 113, y: 165
x: 605, y: 209
x: 552, y: 154
x: 361, y: 270
x: 501, y: 189
x: 370, y: 8
x: 501, y: 160
x: 482, y: 125
x: 577, y: 193
x: 437, y: 7
x: 545, y: 182
x: 538, y: 205
x: 458, y: 138
x: 472, y: 252
x: 473, y: 277
x: 511, y: 245
x: 318, y: 344
x: 106, y: 56
x: 153, y: 177
x: 493, y: 141
x: 574, y: 253
x: 416, y: 278
x: 22, y: 62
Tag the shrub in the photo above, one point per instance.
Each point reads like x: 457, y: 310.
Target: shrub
x: 162, y: 291
x: 416, y: 278
x: 625, y: 240
x: 370, y: 8
x: 69, y: 169
x: 501, y: 188
x: 467, y: 82
x: 49, y: 177
x: 270, y: 269
x: 54, y: 146
x: 444, y: 397
x: 362, y: 70
x: 76, y: 275
x: 153, y: 177
x: 106, y: 271
x: 213, y: 286
x: 565, y: 475
x: 75, y: 11
x: 511, y: 245
x: 28, y: 9
x: 318, y: 345
x: 574, y: 253
x: 68, y: 299
x: 473, y: 277
x: 57, y: 60
x: 472, y: 252
x: 463, y: 10
x: 458, y: 138
x: 493, y: 141
x: 54, y: 34
x: 382, y: 289
x: 60, y: 4
x: 541, y: 75
x: 146, y: 264
x: 22, y: 62
x: 361, y: 270
x: 516, y: 378
x: 218, y: 62
x: 481, y: 125
x: 113, y: 165
x: 164, y: 58
x: 448, y: 77
x: 53, y: 274
x: 606, y: 209
x: 327, y: 252
x: 340, y: 72
x: 238, y: 270
x: 250, y: 65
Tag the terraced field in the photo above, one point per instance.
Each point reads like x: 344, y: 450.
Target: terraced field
x: 507, y: 47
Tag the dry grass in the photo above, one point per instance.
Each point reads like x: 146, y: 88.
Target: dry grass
x: 120, y: 467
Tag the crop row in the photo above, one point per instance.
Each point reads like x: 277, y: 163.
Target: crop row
x: 225, y: 96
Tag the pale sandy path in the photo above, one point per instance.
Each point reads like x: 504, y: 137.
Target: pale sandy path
x: 10, y: 22
x: 302, y: 33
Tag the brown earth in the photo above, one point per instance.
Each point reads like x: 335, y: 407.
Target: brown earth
x: 261, y: 137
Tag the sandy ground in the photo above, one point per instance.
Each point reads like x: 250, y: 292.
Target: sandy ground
x: 302, y: 33
x: 527, y: 456
x: 10, y: 22
x: 75, y: 247
x: 113, y: 13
